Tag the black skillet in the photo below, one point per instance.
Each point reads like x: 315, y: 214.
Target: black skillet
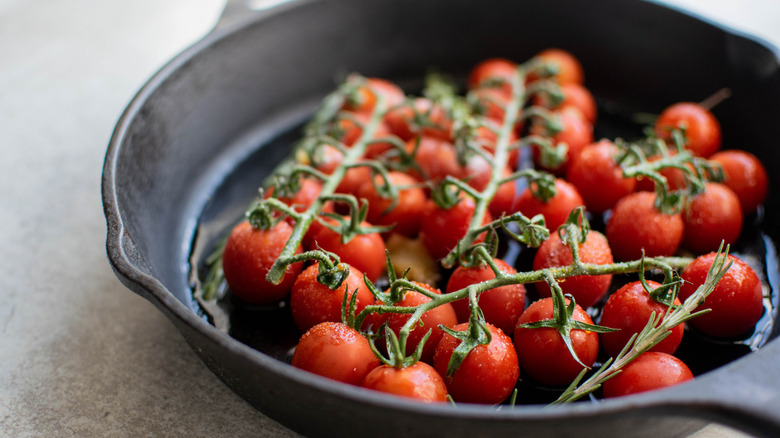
x: 198, y: 139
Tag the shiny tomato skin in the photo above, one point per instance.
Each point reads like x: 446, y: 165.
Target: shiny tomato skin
x: 702, y: 130
x: 635, y: 224
x: 576, y: 134
x: 556, y: 210
x: 628, y: 309
x: 478, y: 171
x: 736, y: 303
x: 587, y: 290
x: 435, y: 157
x: 493, y: 69
x: 501, y: 306
x: 541, y: 351
x: 248, y: 256
x: 312, y: 303
x: 487, y: 375
x: 407, y: 212
x: 598, y: 178
x: 335, y: 351
x: 712, y: 217
x: 401, y: 121
x: 419, y: 381
x: 570, y: 70
x: 366, y: 252
x: 650, y: 371
x: 441, y: 315
x: 745, y: 176
x: 441, y: 229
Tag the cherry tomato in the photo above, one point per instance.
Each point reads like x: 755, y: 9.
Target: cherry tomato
x: 569, y: 68
x: 501, y: 306
x: 587, y: 290
x: 576, y: 134
x: 650, y: 371
x: 403, y: 121
x: 556, y: 210
x: 493, y: 69
x: 745, y: 175
x: 335, y: 351
x: 419, y: 381
x: 702, y: 130
x: 675, y: 178
x: 736, y: 302
x: 248, y: 256
x: 541, y: 351
x: 352, y: 125
x: 392, y: 94
x: 574, y: 95
x: 441, y: 229
x: 712, y: 217
x: 629, y: 309
x: 493, y: 102
x: 598, y: 178
x: 478, y: 171
x: 431, y: 320
x: 312, y: 303
x: 487, y: 375
x: 407, y: 211
x: 366, y: 252
x: 636, y: 224
x: 436, y: 158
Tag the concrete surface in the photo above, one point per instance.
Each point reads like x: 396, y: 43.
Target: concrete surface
x: 80, y: 355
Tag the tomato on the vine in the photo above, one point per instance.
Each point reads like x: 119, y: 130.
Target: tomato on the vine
x: 336, y: 351
x: 441, y: 229
x: 712, y: 217
x: 636, y: 225
x: 587, y: 290
x: 569, y: 68
x: 556, y: 210
x: 736, y: 303
x: 574, y: 95
x: 419, y: 118
x: 367, y: 95
x: 576, y: 134
x: 487, y: 375
x: 405, y: 215
x: 598, y: 178
x: 702, y: 130
x: 745, y: 175
x: 501, y: 306
x: 248, y: 257
x: 419, y: 381
x: 651, y: 370
x: 494, y: 69
x: 628, y: 309
x: 366, y: 252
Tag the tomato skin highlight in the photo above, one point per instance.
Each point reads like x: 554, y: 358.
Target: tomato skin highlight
x: 248, y: 257
x: 712, y: 217
x: 587, y: 290
x: 650, y: 371
x: 312, y: 303
x: 541, y: 351
x: 419, y: 381
x: 598, y: 178
x: 736, y: 301
x: 487, y: 375
x: 745, y: 175
x: 335, y: 351
x: 635, y: 224
x: 556, y: 210
x: 628, y: 309
x: 702, y: 130
x: 501, y: 306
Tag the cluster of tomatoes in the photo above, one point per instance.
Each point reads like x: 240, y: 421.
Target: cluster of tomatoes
x: 416, y: 231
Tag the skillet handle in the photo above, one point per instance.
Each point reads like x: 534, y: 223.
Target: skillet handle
x: 239, y: 10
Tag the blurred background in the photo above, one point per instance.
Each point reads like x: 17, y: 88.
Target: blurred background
x: 80, y: 355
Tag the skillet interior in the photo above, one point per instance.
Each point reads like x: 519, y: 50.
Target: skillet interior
x: 196, y: 125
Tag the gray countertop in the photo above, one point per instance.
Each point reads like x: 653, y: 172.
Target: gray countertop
x: 80, y: 355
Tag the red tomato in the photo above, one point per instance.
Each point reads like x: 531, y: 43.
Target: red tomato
x: 493, y: 102
x: 419, y: 381
x: 335, y: 351
x: 702, y: 130
x: 406, y: 214
x: 569, y: 68
x: 493, y: 69
x: 368, y: 92
x: 745, y: 175
x: 402, y: 121
x: 556, y: 210
x: 576, y: 134
x: 441, y: 315
x: 541, y: 351
x: 501, y: 306
x: 629, y: 309
x: 442, y: 229
x: 248, y: 256
x: 487, y: 375
x: 366, y: 252
x: 635, y: 224
x: 598, y: 178
x: 675, y: 178
x: 312, y: 303
x: 649, y: 371
x: 352, y: 129
x: 574, y: 95
x: 436, y: 158
x: 712, y: 217
x: 478, y: 171
x: 736, y: 302
x: 587, y: 290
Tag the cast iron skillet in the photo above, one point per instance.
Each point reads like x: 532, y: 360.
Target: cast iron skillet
x: 219, y: 116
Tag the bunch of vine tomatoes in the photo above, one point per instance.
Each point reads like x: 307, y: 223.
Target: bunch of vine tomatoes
x: 399, y: 229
